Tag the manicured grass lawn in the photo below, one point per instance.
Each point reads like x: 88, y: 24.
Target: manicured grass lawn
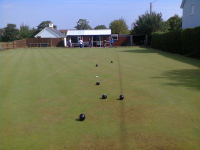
x: 43, y: 92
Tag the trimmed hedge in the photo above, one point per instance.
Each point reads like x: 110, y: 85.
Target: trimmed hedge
x: 183, y: 42
x: 197, y: 41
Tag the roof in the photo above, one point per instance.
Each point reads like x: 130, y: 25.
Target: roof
x: 182, y: 4
x: 63, y: 31
x: 53, y: 31
x: 89, y: 32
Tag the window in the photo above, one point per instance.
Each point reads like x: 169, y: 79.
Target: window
x: 115, y: 36
x: 96, y: 38
x: 192, y: 9
x: 104, y: 37
x: 74, y: 39
x: 89, y: 37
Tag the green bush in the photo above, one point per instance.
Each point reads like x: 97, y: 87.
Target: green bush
x: 197, y: 42
x: 183, y: 42
x: 156, y: 41
x: 169, y: 41
x: 187, y: 38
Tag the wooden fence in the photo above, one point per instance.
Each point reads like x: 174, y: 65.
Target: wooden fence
x: 52, y: 42
x: 13, y: 45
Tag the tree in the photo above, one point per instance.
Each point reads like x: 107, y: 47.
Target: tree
x: 33, y: 32
x: 26, y: 32
x: 11, y: 33
x: 147, y: 23
x: 100, y: 27
x: 175, y: 22
x: 165, y: 26
x: 2, y: 31
x: 44, y: 24
x: 82, y: 24
x: 119, y: 26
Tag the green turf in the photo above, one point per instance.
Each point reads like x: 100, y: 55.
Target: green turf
x: 43, y: 92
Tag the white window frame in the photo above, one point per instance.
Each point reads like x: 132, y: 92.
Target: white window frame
x: 192, y: 9
x: 114, y: 35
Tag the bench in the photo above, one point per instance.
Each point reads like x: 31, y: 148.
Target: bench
x: 38, y: 44
x: 75, y: 44
x: 100, y: 43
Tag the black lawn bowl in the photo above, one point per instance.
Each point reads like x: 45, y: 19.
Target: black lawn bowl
x: 82, y: 117
x: 96, y: 65
x: 111, y: 61
x: 104, y: 96
x: 121, y: 97
x: 97, y: 83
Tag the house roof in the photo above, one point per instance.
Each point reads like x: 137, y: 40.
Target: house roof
x: 182, y: 4
x: 53, y: 31
x: 89, y: 32
x: 63, y: 31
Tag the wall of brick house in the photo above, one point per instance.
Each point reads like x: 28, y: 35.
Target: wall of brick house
x: 85, y: 38
x: 122, y: 41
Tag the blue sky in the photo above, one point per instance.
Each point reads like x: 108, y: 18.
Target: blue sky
x: 65, y: 13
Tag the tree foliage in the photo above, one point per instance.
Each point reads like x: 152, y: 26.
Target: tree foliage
x: 119, y: 26
x: 82, y: 24
x: 175, y: 22
x: 11, y: 33
x: 26, y: 32
x: 2, y: 35
x: 147, y: 23
x: 165, y: 26
x: 100, y: 27
x: 44, y: 24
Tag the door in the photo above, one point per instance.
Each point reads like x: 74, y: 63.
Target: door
x: 79, y: 38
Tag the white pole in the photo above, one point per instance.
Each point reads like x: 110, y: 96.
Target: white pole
x: 65, y: 42
x: 150, y: 8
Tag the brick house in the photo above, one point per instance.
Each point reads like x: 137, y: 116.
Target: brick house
x: 97, y: 36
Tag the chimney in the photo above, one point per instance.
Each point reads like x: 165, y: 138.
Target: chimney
x: 50, y: 24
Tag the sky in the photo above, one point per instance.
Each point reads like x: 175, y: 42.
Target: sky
x: 66, y: 13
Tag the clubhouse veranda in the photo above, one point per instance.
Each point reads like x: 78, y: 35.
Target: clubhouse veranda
x: 70, y: 38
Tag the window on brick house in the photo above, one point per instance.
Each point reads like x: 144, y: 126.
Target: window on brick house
x: 115, y: 36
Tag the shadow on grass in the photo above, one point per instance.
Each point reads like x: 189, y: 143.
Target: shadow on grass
x: 139, y: 51
x: 185, y: 77
x: 188, y: 60
x: 77, y: 119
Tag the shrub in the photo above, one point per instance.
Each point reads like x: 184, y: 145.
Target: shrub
x: 183, y: 42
